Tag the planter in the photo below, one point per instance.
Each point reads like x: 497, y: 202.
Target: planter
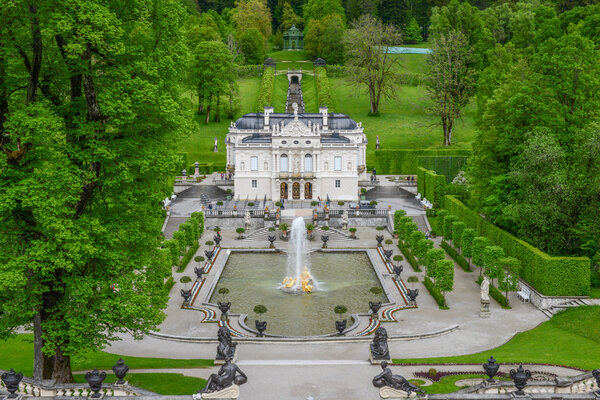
x: 374, y: 306
x: 340, y: 326
x: 261, y: 326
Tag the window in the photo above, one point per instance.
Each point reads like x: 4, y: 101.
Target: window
x: 308, y: 163
x: 254, y: 183
x: 254, y: 163
x: 284, y: 142
x: 283, y: 163
x: 308, y: 142
x: 337, y: 183
x: 337, y: 164
x: 296, y: 142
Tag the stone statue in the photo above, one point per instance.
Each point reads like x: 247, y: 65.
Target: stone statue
x: 247, y: 219
x: 229, y: 374
x: 485, y: 289
x: 379, y: 347
x: 345, y: 219
x: 225, y: 348
x: 215, y: 148
x: 377, y: 142
x: 387, y: 378
x: 295, y: 107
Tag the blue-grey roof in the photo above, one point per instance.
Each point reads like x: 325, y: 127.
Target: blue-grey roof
x: 335, y: 121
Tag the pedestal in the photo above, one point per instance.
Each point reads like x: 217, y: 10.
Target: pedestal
x: 231, y: 392
x: 221, y: 361
x: 388, y: 392
x: 484, y: 310
x: 197, y: 171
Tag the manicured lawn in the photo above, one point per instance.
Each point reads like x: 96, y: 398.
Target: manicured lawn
x: 161, y: 383
x: 284, y: 55
x: 199, y: 144
x: 569, y: 338
x: 448, y: 383
x: 405, y: 122
x: 595, y: 293
x: 422, y: 45
x: 305, y: 66
x: 414, y: 63
x: 17, y: 353
x: 280, y: 93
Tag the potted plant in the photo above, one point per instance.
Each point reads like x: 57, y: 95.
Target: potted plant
x: 352, y: 233
x: 395, y: 234
x: 240, y: 232
x: 341, y: 324
x: 284, y: 229
x: 185, y: 280
x: 251, y: 204
x: 340, y: 203
x: 325, y: 228
x: 375, y: 305
x: 278, y: 203
x: 209, y: 243
x: 373, y: 203
x: 310, y: 228
x: 271, y: 229
x: 223, y: 306
x: 219, y: 203
x: 260, y: 325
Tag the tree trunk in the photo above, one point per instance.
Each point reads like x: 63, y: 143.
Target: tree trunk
x: 62, y: 367
x: 200, y: 104
x: 445, y: 129
x: 450, y: 126
x: 38, y: 355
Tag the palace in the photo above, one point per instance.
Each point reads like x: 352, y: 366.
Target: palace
x: 299, y: 156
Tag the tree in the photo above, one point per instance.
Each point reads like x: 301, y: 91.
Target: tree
x: 450, y: 80
x: 185, y: 280
x: 213, y: 72
x: 412, y: 32
x: 448, y: 221
x: 479, y: 245
x: 324, y: 39
x: 356, y: 8
x: 259, y: 310
x: 414, y: 239
x: 289, y: 18
x: 491, y: 262
x: 423, y: 246
x: 445, y: 276
x: 250, y: 14
x: 431, y: 259
x: 252, y: 46
x: 340, y: 310
x: 466, y: 242
x: 368, y: 60
x: 319, y: 9
x: 458, y: 228
x: 407, y: 229
x: 223, y: 291
x: 90, y: 103
x: 509, y: 279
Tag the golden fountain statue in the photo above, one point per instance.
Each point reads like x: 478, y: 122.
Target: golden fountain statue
x: 305, y: 279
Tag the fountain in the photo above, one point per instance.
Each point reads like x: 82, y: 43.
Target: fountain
x: 298, y: 279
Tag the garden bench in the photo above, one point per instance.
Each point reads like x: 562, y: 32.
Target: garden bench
x: 524, y: 293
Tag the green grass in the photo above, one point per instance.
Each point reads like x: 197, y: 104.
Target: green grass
x: 280, y: 93
x: 284, y: 66
x: 17, y: 353
x: 199, y: 145
x: 448, y: 383
x: 595, y: 293
x: 405, y: 122
x: 413, y: 63
x: 422, y: 45
x: 161, y: 383
x: 309, y: 93
x: 569, y: 338
x: 284, y: 55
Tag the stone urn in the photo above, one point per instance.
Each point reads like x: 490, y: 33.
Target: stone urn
x: 412, y: 294
x: 374, y: 306
x: 520, y: 377
x: 11, y: 380
x: 388, y: 254
x: 379, y: 239
x: 324, y: 238
x: 95, y: 379
x: 217, y: 238
x: 271, y: 240
x: 224, y: 307
x: 186, y: 294
x: 261, y: 326
x: 341, y: 326
x: 209, y: 254
x: 398, y: 270
x: 199, y: 272
x: 491, y: 369
x: 120, y: 369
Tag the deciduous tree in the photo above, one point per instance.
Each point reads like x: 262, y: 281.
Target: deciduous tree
x: 252, y: 14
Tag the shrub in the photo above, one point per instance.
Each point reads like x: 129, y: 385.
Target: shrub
x: 412, y: 279
x: 398, y: 214
x: 278, y: 203
x: 409, y: 257
x: 272, y: 229
x: 209, y: 243
x: 373, y: 203
x: 325, y: 228
x: 353, y: 230
x: 499, y: 297
x: 552, y: 276
x: 228, y: 191
x: 398, y: 257
x: 460, y: 260
x: 217, y: 229
x: 169, y: 284
x: 314, y: 203
x: 380, y: 228
x: 406, y: 161
x: 240, y: 231
x: 266, y: 89
x: 223, y: 291
x: 198, y: 259
x: 219, y: 203
x: 441, y: 214
x: 251, y: 204
x: 433, y: 233
x: 435, y: 293
x: 340, y: 309
x: 260, y: 309
x: 340, y: 203
x: 432, y: 372
x: 388, y: 241
x: 363, y: 190
x: 376, y: 290
x: 187, y: 257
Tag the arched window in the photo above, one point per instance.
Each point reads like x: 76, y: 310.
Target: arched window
x: 283, y: 163
x: 308, y: 163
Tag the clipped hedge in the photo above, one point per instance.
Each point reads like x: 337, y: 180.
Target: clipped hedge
x: 551, y: 276
x: 323, y: 89
x: 435, y: 293
x: 447, y: 165
x: 188, y: 256
x: 169, y: 284
x: 265, y: 93
x: 406, y: 161
x: 409, y: 256
x: 495, y: 294
x: 460, y: 260
x: 249, y: 71
x: 336, y: 71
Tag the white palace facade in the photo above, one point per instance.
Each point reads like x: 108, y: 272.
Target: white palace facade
x: 299, y: 156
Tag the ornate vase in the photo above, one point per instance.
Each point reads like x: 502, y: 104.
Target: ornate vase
x: 374, y: 306
x: 186, y: 294
x: 209, y: 254
x: 120, y: 370
x: 398, y: 270
x: 199, y: 272
x: 520, y: 377
x: 217, y: 239
x: 261, y: 326
x: 340, y: 326
x: 491, y: 369
x: 388, y: 254
x: 412, y: 294
x: 11, y: 380
x: 95, y: 379
x: 224, y: 307
x: 324, y: 238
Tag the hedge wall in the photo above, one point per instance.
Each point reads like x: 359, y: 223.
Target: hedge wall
x: 266, y: 89
x: 551, y: 276
x: 323, y: 90
x: 459, y: 259
x: 432, y: 186
x: 406, y: 161
x: 447, y: 165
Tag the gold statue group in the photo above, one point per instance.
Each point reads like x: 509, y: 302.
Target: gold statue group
x: 305, y: 278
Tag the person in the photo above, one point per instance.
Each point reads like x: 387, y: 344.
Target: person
x: 412, y: 179
x: 210, y: 206
x: 387, y: 378
x: 222, y: 175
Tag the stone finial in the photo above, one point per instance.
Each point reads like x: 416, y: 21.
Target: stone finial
x: 324, y: 111
x: 267, y: 112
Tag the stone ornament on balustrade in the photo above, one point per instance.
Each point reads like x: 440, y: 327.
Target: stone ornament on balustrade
x: 95, y: 379
x: 11, y: 380
x: 520, y: 377
x: 596, y: 375
x: 120, y: 369
x: 491, y: 369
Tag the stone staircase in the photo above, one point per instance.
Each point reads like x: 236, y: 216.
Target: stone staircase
x: 549, y: 312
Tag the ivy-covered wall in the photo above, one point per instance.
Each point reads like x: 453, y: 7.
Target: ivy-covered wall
x: 406, y: 161
x: 551, y: 276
